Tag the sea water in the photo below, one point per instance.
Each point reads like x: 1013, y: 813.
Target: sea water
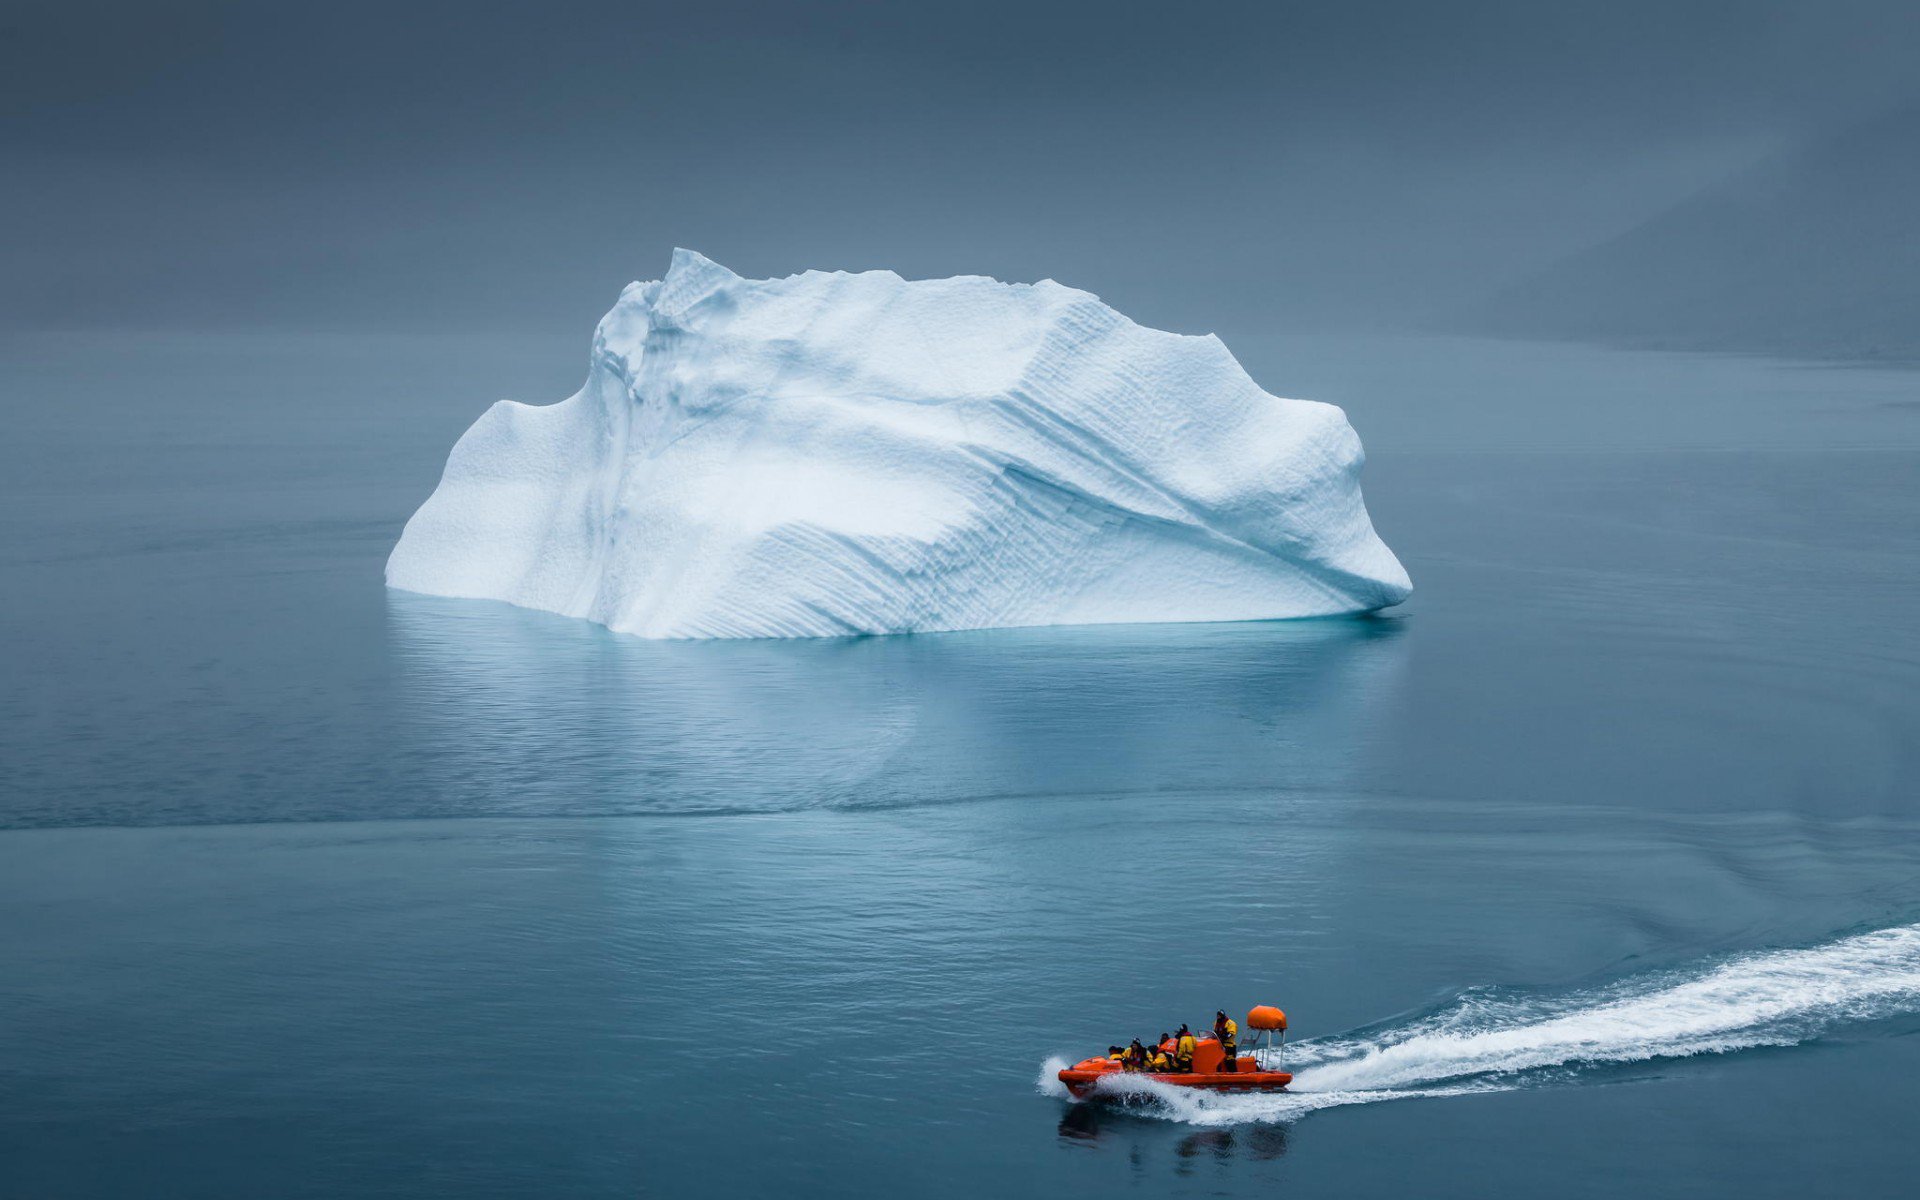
x: 1595, y: 866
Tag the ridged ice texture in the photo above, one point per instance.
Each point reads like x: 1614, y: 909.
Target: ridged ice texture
x: 839, y: 454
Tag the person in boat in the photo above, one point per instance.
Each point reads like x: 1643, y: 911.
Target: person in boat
x: 1228, y: 1032
x: 1158, y: 1061
x: 1183, y: 1048
x: 1117, y: 1054
x: 1136, y: 1059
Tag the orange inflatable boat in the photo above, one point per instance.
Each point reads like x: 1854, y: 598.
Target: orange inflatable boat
x: 1211, y: 1070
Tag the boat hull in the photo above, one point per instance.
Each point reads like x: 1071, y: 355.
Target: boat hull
x: 1083, y: 1079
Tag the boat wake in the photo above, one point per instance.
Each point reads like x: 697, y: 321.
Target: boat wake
x: 1487, y: 1040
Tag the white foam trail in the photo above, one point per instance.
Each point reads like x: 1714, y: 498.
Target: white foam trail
x: 1485, y: 1042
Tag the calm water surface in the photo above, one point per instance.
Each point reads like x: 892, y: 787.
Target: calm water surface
x: 1595, y: 866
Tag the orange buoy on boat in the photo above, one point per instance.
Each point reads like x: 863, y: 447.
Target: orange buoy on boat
x: 1266, y: 1016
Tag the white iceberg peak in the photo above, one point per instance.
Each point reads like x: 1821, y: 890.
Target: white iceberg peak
x: 856, y: 453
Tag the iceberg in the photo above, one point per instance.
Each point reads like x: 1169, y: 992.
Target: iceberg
x: 833, y: 453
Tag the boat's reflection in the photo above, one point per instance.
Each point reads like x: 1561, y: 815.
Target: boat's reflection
x: 1081, y: 1122
x: 1102, y: 1122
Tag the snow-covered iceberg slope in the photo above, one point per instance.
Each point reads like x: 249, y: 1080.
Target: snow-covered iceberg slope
x: 836, y: 454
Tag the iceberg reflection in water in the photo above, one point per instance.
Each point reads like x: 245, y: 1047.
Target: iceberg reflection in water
x: 519, y: 711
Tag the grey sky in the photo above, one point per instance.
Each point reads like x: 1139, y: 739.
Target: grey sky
x: 1229, y: 167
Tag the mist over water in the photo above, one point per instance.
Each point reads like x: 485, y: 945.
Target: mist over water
x: 1483, y: 168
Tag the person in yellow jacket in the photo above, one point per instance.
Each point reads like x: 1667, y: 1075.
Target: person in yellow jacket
x: 1183, y: 1048
x: 1228, y: 1032
x: 1158, y: 1062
